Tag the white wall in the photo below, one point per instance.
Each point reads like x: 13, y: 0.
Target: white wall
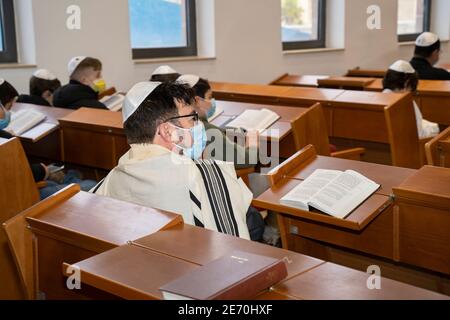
x: 247, y: 41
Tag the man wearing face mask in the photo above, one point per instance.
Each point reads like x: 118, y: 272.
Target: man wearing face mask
x: 162, y: 169
x: 84, y: 87
x: 219, y: 146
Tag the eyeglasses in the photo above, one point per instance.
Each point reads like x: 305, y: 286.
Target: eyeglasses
x: 194, y: 117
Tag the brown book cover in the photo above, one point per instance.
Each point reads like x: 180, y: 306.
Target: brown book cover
x: 235, y: 276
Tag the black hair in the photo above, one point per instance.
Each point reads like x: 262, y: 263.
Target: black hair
x: 201, y: 88
x: 164, y: 78
x: 395, y: 80
x: 426, y: 52
x: 87, y: 63
x: 160, y: 105
x: 38, y: 86
x: 7, y: 92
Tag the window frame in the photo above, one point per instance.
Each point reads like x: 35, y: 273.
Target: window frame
x: 321, y: 32
x: 191, y: 38
x: 9, y: 53
x: 426, y: 24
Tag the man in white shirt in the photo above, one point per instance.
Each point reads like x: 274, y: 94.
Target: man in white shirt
x: 162, y: 169
x: 401, y: 77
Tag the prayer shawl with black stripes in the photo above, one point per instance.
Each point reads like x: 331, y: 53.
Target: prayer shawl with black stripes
x: 206, y: 193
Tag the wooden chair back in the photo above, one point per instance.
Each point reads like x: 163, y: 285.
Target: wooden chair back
x: 20, y: 239
x: 18, y: 193
x: 291, y: 164
x: 403, y: 135
x: 438, y: 150
x: 310, y: 128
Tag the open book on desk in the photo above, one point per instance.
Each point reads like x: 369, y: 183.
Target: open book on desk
x: 258, y: 120
x: 333, y: 192
x: 29, y: 124
x: 114, y: 102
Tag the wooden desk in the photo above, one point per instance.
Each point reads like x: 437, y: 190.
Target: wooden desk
x: 374, y: 231
x: 371, y: 73
x: 298, y: 81
x: 169, y: 259
x: 93, y: 138
x: 423, y: 219
x: 84, y: 226
x: 346, y: 83
x: 332, y: 282
x: 49, y: 147
x: 355, y: 119
x: 433, y: 98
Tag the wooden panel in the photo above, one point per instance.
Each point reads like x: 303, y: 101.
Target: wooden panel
x: 48, y: 148
x: 435, y: 109
x: 352, y: 123
x: 347, y: 83
x: 331, y: 282
x: 403, y: 137
x: 376, y: 239
x: 372, y: 73
x: 89, y: 148
x: 424, y: 236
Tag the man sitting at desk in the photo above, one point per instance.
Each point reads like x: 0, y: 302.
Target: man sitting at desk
x: 84, y: 87
x: 219, y: 145
x: 160, y: 170
x: 43, y: 84
x: 426, y: 55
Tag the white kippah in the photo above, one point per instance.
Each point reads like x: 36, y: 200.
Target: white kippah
x: 427, y: 39
x: 189, y: 79
x: 74, y: 63
x: 44, y: 74
x: 402, y: 66
x: 163, y: 70
x: 136, y: 96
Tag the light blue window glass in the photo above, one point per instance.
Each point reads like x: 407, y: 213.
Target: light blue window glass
x: 158, y: 23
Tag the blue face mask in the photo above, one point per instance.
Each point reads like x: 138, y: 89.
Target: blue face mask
x: 6, y: 120
x: 199, y: 138
x: 212, y: 110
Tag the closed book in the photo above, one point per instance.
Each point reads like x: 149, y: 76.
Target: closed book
x: 235, y: 276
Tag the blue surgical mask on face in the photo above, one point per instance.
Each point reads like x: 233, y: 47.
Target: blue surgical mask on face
x: 6, y: 120
x: 199, y: 138
x: 213, y: 109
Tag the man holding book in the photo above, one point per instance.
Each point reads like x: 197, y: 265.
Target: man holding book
x: 220, y: 145
x: 162, y: 169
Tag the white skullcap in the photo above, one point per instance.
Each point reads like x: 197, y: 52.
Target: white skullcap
x: 44, y: 74
x: 163, y: 70
x: 2, y: 81
x: 189, y: 79
x: 136, y: 96
x: 74, y: 63
x: 402, y: 66
x: 426, y: 39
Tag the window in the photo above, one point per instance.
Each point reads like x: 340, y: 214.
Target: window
x: 303, y: 24
x: 8, y: 48
x: 413, y: 18
x: 163, y: 28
